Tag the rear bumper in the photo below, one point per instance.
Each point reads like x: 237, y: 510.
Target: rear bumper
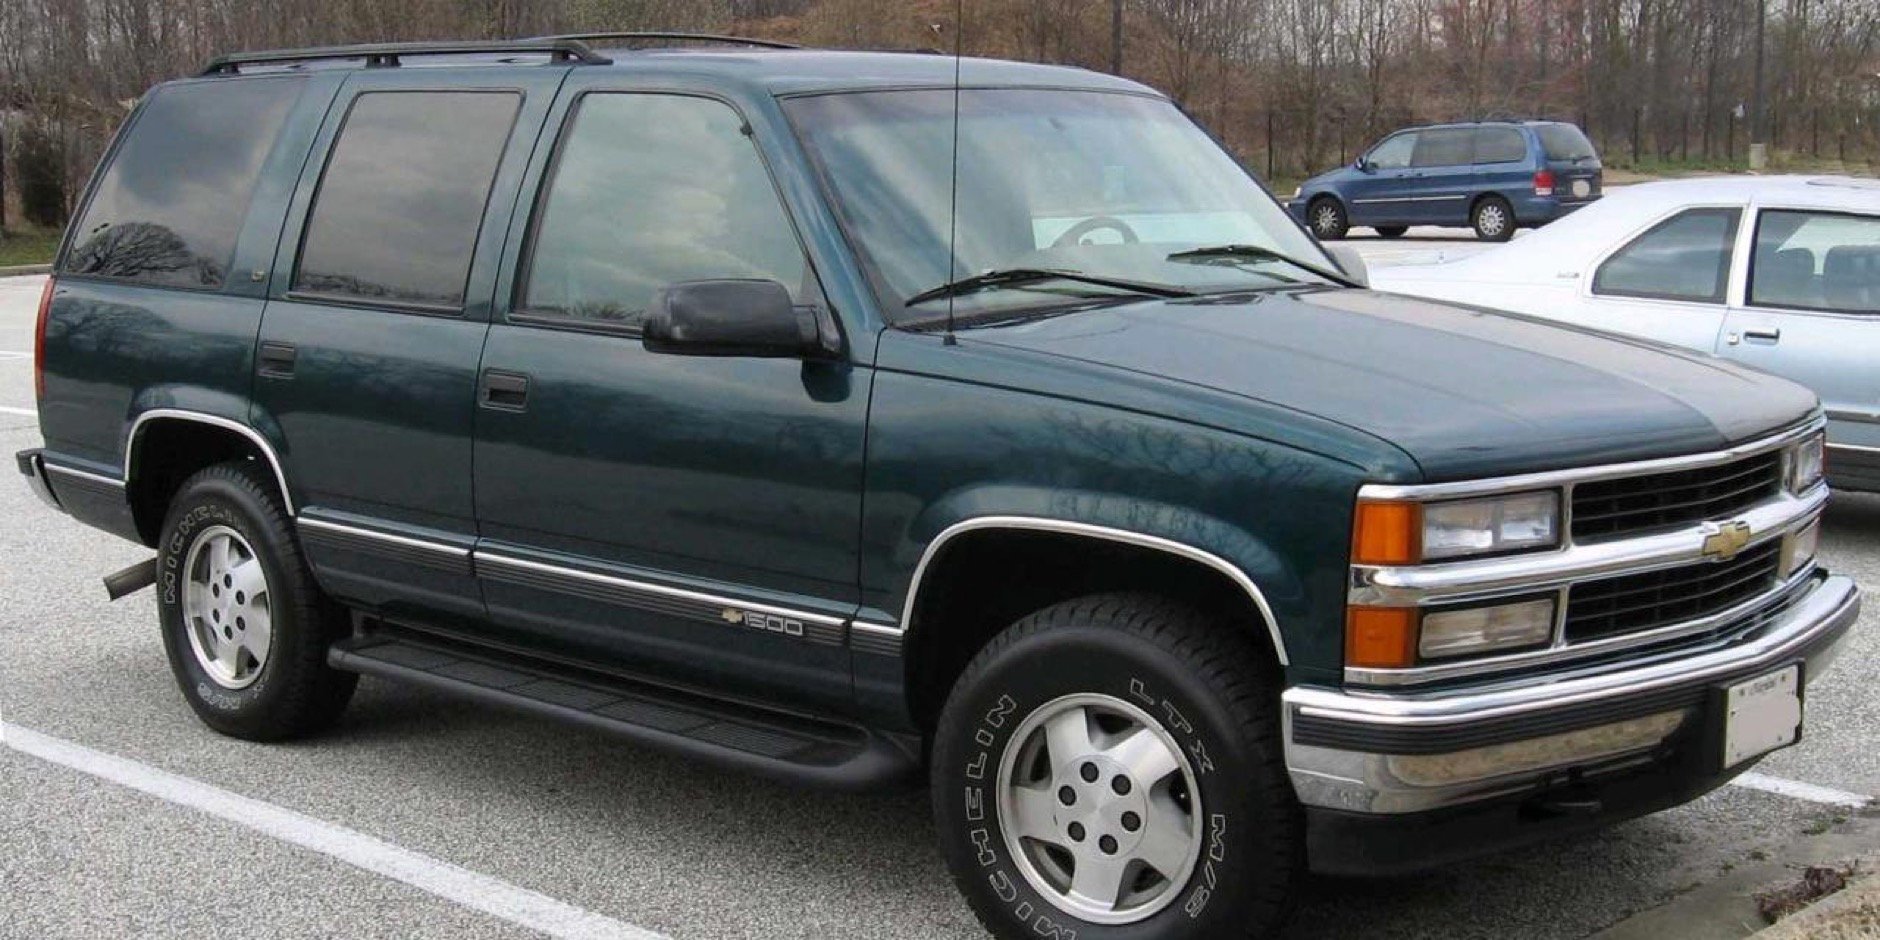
x: 1538, y: 210
x: 33, y: 467
x: 1397, y: 782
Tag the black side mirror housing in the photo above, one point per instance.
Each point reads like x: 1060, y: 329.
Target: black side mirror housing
x: 1363, y: 165
x: 748, y: 318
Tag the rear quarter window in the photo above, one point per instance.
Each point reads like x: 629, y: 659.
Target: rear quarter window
x: 1564, y: 142
x: 168, y: 209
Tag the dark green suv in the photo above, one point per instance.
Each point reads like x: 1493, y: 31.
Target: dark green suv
x: 812, y: 414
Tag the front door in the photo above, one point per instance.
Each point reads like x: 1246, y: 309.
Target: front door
x: 1381, y: 192
x: 369, y: 344
x: 1811, y: 312
x: 682, y: 517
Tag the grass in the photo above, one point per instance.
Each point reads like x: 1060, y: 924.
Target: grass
x: 28, y: 246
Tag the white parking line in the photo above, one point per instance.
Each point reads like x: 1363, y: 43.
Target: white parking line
x: 1801, y: 791
x: 22, y: 412
x: 480, y: 892
x: 7, y: 354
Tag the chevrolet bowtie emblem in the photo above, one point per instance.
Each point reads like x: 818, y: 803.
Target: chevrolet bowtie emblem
x: 732, y: 615
x: 1723, y: 541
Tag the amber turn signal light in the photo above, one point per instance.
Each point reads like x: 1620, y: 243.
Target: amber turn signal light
x: 1381, y: 637
x: 1387, y: 533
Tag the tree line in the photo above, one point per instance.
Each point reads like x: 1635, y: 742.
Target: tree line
x: 1291, y: 86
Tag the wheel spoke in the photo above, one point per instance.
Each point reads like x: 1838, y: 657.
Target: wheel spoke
x: 248, y: 578
x: 228, y: 654
x: 258, y: 634
x: 1146, y: 756
x: 1167, y: 838
x: 1099, y: 879
x: 1033, y: 811
x: 1068, y: 736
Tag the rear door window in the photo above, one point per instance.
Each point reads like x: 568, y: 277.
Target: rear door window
x: 1685, y: 257
x: 1816, y: 261
x: 169, y: 208
x: 1564, y: 142
x: 1394, y: 154
x: 1499, y: 145
x: 396, y: 216
x: 1445, y: 146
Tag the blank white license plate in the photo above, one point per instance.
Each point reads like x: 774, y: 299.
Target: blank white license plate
x: 1582, y: 187
x: 1764, y: 713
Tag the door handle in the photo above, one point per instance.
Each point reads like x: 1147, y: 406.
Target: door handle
x: 504, y: 391
x: 276, y: 361
x: 1767, y: 337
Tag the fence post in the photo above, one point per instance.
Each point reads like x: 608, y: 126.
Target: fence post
x: 1269, y: 144
x: 1637, y: 116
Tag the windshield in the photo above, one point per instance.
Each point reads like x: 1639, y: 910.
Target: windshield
x: 1101, y: 184
x: 1564, y: 142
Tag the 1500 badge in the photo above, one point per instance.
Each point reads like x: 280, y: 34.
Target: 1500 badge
x: 758, y: 620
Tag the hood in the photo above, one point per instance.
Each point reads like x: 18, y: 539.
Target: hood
x: 1466, y: 392
x: 1332, y: 175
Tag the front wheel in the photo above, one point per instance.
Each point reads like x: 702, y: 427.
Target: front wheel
x: 1328, y: 219
x: 1493, y: 220
x: 1111, y: 767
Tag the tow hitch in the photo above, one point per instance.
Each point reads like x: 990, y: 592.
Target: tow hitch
x: 132, y: 579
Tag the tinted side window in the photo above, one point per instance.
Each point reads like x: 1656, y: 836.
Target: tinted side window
x: 1564, y: 142
x: 1450, y: 146
x: 651, y: 190
x: 172, y: 203
x: 1816, y: 261
x: 1393, y: 154
x: 399, y: 204
x: 1685, y: 257
x: 1500, y: 145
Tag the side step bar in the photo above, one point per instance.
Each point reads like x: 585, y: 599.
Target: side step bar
x: 774, y: 744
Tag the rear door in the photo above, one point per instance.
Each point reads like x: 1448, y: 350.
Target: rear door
x: 369, y: 345
x: 1578, y: 174
x: 1443, y: 168
x: 1381, y: 193
x: 1810, y: 311
x: 1670, y: 281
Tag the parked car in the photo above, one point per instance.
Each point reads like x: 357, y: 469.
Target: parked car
x: 668, y: 393
x: 1779, y: 273
x: 1493, y: 176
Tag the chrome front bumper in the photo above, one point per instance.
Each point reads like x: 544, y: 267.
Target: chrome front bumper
x: 1371, y: 752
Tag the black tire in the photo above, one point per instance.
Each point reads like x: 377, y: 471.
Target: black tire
x: 292, y: 691
x: 1493, y: 219
x: 1327, y: 218
x: 1216, y: 696
x: 1391, y: 231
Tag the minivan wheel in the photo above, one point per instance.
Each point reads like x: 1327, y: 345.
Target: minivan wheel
x: 1493, y: 220
x: 245, y: 627
x: 1392, y: 231
x: 1327, y: 216
x: 1111, y: 766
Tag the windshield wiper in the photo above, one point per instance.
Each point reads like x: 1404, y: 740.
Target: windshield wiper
x: 1253, y: 253
x: 1011, y: 277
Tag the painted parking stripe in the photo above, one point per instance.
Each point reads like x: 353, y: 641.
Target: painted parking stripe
x: 470, y: 889
x: 23, y: 412
x: 6, y: 354
x: 1801, y: 791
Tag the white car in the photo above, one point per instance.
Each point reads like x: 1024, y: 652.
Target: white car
x: 1779, y: 273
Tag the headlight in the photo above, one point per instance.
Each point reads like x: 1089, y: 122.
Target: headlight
x: 1805, y: 464
x: 1485, y: 629
x: 1404, y: 533
x: 1298, y: 191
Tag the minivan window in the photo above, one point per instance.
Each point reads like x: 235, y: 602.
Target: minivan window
x: 1816, y: 261
x: 652, y: 190
x: 1564, y: 142
x: 396, y: 216
x: 1444, y: 146
x: 1499, y: 145
x: 1685, y: 257
x: 169, y: 208
x: 1393, y: 154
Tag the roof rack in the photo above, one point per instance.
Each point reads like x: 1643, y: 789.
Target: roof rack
x: 388, y: 54
x: 676, y: 37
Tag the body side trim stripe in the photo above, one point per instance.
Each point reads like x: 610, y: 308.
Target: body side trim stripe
x: 97, y: 478
x: 1105, y: 533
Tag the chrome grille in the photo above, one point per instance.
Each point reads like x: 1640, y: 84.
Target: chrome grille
x: 1606, y: 509
x: 1640, y: 602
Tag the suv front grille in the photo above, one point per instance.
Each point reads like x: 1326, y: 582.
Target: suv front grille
x: 1639, y: 602
x: 1606, y: 509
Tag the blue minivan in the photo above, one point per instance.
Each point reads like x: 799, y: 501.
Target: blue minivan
x: 1494, y: 177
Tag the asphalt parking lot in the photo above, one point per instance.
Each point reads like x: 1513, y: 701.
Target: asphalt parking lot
x: 422, y: 816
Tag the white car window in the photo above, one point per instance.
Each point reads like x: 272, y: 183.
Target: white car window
x: 1816, y: 261
x: 1685, y: 257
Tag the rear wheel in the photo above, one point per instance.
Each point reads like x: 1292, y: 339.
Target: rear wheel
x: 1392, y: 231
x: 1493, y: 219
x: 244, y: 625
x: 1111, y: 766
x: 1328, y: 219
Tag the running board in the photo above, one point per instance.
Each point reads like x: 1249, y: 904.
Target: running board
x: 775, y: 744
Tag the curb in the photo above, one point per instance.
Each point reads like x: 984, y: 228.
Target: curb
x: 19, y: 270
x: 1864, y: 891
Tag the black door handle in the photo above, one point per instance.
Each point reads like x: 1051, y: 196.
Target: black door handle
x: 277, y: 360
x: 504, y: 391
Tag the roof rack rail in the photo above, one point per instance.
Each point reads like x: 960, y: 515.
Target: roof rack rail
x: 387, y: 54
x: 677, y: 37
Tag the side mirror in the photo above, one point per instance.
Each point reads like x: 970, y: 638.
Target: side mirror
x: 1363, y: 165
x: 1350, y: 262
x: 732, y: 318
